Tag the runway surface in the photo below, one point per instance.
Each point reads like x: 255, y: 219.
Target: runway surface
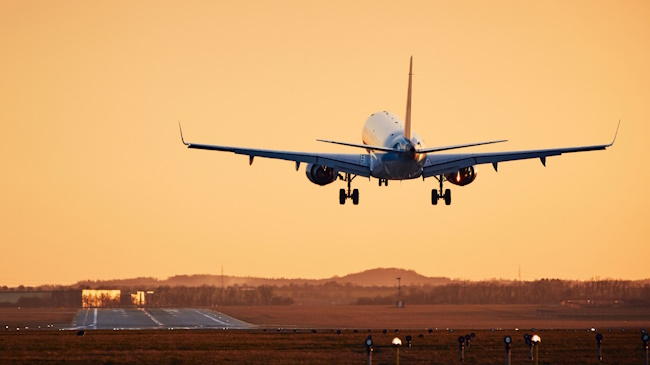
x: 154, y: 318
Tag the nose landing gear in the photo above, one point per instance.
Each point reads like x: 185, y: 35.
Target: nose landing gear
x: 435, y: 196
x: 352, y: 194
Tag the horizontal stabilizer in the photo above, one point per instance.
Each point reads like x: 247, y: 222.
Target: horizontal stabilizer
x: 438, y: 149
x: 374, y: 148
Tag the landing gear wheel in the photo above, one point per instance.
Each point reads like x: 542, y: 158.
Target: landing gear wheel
x: 447, y: 197
x: 434, y: 197
x: 349, y: 193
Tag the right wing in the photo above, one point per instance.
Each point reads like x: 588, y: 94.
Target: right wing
x: 355, y: 164
x: 450, y: 163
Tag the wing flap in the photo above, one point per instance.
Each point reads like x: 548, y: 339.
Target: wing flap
x: 356, y: 164
x: 446, y: 164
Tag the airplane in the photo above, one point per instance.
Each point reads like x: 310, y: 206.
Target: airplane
x: 394, y: 152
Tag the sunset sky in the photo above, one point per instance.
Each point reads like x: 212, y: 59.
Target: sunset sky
x: 97, y: 185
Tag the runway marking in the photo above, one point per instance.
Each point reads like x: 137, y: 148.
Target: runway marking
x: 86, y: 317
x: 212, y: 318
x: 95, y: 318
x: 151, y: 317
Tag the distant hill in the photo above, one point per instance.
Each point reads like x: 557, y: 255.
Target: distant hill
x: 373, y: 277
x: 388, y: 277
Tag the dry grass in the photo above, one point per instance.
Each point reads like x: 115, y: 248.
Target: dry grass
x: 305, y: 347
x: 34, y: 317
x: 293, y: 345
x: 440, y: 316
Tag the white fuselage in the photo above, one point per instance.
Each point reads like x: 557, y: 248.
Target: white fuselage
x: 387, y: 130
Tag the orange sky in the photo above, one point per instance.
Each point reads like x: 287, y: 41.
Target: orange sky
x: 96, y: 183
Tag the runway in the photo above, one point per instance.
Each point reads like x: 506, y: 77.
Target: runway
x: 153, y: 318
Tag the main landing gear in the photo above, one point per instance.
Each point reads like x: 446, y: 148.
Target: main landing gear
x: 435, y: 196
x: 343, y: 194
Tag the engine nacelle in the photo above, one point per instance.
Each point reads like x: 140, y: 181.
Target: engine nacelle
x: 462, y: 177
x: 320, y: 175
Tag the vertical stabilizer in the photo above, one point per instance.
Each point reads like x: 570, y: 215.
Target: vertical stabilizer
x: 407, y: 122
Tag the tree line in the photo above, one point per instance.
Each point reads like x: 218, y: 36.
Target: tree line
x: 209, y: 296
x: 544, y: 291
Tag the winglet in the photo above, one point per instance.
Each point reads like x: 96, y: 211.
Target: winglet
x: 615, y: 134
x: 407, y: 122
x: 181, y: 129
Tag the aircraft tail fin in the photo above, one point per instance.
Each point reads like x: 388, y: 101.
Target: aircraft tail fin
x: 407, y: 122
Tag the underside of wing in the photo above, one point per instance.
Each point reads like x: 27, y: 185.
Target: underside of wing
x: 355, y: 164
x: 450, y: 163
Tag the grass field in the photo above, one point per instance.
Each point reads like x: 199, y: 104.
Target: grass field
x: 305, y: 347
x: 570, y: 342
x: 441, y: 316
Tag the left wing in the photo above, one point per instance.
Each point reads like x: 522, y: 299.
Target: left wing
x: 447, y: 164
x: 355, y: 164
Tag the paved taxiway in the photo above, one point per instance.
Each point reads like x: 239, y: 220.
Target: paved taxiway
x: 154, y: 318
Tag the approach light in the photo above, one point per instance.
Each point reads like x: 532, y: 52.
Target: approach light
x: 507, y: 340
x: 397, y: 342
x: 369, y: 341
x: 536, y: 339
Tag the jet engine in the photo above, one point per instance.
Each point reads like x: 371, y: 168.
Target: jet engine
x: 462, y: 177
x: 320, y: 175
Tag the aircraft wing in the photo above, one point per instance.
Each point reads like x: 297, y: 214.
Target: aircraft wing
x: 450, y: 163
x: 355, y: 164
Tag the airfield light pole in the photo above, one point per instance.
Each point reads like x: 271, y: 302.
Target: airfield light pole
x: 397, y: 343
x: 535, y: 340
x: 508, y: 341
x: 461, y: 341
x: 529, y: 343
x: 645, y: 338
x: 599, y: 340
x: 369, y: 348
